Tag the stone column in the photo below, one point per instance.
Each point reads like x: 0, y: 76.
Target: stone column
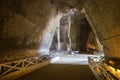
x: 69, y: 39
x: 58, y: 37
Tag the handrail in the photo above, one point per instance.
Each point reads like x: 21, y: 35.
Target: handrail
x: 100, y: 72
x: 10, y: 67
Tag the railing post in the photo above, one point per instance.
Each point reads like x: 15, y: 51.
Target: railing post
x: 10, y: 67
x: 100, y: 72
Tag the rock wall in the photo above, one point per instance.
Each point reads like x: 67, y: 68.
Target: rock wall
x: 104, y: 15
x: 48, y: 34
x: 25, y: 24
x: 80, y: 30
x: 22, y: 23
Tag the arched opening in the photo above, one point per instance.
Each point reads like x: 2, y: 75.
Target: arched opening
x: 75, y: 33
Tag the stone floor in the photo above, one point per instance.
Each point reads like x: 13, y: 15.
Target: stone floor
x: 63, y: 67
x: 61, y: 72
x: 76, y: 59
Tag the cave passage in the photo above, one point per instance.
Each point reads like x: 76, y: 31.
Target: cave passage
x: 35, y: 32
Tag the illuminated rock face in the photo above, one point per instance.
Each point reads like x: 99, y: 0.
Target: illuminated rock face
x: 48, y: 34
x: 22, y: 23
x: 105, y: 19
x: 104, y: 15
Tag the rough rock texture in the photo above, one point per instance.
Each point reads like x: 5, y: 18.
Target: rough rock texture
x: 104, y: 15
x: 64, y: 27
x: 92, y: 42
x: 22, y: 23
x: 48, y: 33
x: 80, y: 30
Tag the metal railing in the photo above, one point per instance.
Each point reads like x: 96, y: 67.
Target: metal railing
x: 6, y: 68
x: 96, y: 65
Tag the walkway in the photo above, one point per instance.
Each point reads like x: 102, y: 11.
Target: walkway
x: 58, y: 71
x: 61, y: 72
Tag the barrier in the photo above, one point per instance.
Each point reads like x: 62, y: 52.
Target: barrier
x: 96, y: 65
x: 9, y: 70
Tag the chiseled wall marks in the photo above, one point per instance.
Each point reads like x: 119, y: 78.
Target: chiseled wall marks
x: 48, y: 33
x: 105, y: 17
x: 22, y: 23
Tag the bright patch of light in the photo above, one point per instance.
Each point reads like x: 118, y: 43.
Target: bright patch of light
x: 55, y: 59
x: 78, y: 59
x: 48, y: 33
x: 43, y: 51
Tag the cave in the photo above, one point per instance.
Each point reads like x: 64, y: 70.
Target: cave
x: 46, y: 28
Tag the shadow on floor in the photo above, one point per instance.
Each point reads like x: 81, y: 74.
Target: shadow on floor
x: 61, y: 72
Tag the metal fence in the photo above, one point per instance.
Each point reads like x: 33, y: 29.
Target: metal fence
x: 96, y: 65
x: 6, y: 68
